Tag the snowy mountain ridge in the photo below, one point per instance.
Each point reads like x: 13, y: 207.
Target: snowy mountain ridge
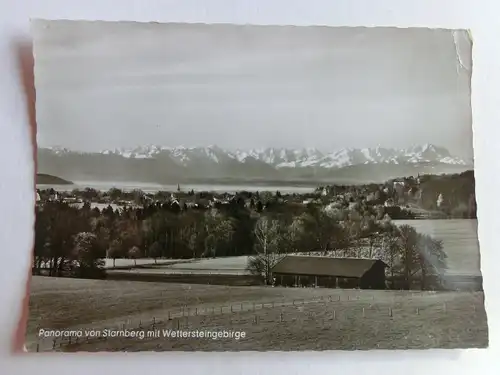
x: 293, y: 158
x: 167, y: 164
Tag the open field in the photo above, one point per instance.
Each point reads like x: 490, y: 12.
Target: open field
x: 65, y: 302
x: 227, y: 265
x: 127, y: 263
x: 273, y: 318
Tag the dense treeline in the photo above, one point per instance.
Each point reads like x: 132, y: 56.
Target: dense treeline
x: 457, y: 191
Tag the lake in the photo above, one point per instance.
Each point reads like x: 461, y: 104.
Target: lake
x: 460, y: 242
x: 153, y: 188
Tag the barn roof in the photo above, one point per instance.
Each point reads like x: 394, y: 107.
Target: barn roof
x: 324, y: 266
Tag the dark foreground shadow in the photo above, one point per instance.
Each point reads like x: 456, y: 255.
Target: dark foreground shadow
x: 23, y: 49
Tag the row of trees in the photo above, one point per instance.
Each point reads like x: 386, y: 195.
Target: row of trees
x: 64, y: 232
x: 411, y: 256
x: 73, y: 241
x: 452, y: 194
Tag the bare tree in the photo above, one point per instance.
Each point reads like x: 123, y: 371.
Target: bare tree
x: 192, y: 243
x: 409, y: 253
x: 210, y: 246
x: 420, y: 253
x: 295, y: 232
x: 219, y: 233
x: 190, y: 231
x: 267, y: 248
x: 115, y: 250
x: 391, y: 249
x: 134, y: 253
x: 431, y: 258
x: 85, y: 253
x: 155, y: 250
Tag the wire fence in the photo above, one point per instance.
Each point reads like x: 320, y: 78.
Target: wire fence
x: 323, y: 310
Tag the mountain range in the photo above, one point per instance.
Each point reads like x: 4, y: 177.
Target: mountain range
x: 202, y: 164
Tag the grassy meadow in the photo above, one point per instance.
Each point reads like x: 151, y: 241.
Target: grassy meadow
x: 273, y: 318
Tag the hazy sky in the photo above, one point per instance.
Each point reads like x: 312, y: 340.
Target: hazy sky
x: 122, y: 84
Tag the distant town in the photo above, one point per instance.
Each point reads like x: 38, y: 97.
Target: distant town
x: 426, y: 196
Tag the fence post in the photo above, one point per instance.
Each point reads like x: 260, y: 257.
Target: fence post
x: 37, y: 347
x: 418, y: 311
x: 334, y: 315
x: 390, y: 311
x: 363, y: 312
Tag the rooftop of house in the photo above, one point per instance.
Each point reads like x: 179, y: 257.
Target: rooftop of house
x: 325, y: 266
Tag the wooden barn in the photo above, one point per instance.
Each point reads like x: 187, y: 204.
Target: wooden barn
x: 330, y: 272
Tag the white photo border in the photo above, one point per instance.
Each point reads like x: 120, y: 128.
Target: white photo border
x: 17, y: 196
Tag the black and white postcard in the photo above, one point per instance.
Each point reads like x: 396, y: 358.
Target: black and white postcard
x: 218, y: 187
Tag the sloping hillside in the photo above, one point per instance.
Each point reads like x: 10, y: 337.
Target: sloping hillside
x: 47, y: 179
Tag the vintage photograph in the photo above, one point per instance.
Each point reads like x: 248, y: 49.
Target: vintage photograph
x: 218, y: 187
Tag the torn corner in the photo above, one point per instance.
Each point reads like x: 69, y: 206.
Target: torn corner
x: 469, y: 35
x: 462, y: 41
